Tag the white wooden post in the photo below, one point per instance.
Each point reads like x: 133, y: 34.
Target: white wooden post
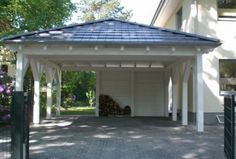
x: 97, y: 92
x: 49, y: 78
x: 132, y: 82
x: 36, y: 70
x: 58, y: 109
x: 166, y: 90
x: 175, y: 93
x: 21, y: 67
x: 199, y: 93
x: 186, y: 74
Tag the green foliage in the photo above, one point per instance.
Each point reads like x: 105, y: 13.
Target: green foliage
x: 6, y: 56
x: 91, y: 97
x: 20, y: 15
x: 74, y: 87
x: 100, y: 9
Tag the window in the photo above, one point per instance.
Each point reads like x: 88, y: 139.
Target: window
x: 227, y: 69
x: 179, y: 19
x: 230, y: 4
x: 227, y: 8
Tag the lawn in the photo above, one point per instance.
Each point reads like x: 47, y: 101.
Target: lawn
x: 78, y: 111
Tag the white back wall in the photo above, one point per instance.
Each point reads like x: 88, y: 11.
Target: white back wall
x: 148, y: 90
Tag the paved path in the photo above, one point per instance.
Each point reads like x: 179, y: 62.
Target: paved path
x: 123, y: 138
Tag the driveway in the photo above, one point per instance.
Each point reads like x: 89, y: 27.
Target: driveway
x: 123, y: 138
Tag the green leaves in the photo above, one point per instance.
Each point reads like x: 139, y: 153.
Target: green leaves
x: 101, y: 9
x: 30, y: 15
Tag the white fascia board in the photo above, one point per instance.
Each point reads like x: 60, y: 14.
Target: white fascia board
x: 165, y: 13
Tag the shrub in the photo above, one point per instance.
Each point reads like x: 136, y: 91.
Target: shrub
x: 6, y: 88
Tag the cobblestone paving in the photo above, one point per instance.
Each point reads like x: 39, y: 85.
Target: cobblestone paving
x: 123, y: 138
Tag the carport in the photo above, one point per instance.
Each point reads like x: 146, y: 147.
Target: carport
x: 133, y: 64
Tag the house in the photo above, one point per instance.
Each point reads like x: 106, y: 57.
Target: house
x: 133, y: 64
x: 212, y: 18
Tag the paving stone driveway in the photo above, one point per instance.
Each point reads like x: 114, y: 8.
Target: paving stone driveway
x: 123, y: 138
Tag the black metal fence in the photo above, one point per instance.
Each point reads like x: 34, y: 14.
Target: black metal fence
x: 5, y: 141
x: 14, y: 135
x: 20, y: 126
x: 229, y: 126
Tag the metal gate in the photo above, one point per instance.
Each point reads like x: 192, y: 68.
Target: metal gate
x: 229, y: 126
x: 20, y: 126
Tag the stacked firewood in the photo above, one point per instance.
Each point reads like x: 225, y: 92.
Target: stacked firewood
x: 109, y: 107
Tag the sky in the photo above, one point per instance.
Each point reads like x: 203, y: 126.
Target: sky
x: 143, y: 10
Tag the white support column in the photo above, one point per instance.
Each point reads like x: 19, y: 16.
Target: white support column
x: 175, y: 93
x: 97, y: 92
x: 49, y: 78
x: 199, y: 93
x: 186, y: 74
x: 132, y: 81
x: 58, y: 109
x: 166, y: 90
x: 36, y: 108
x: 21, y: 67
x: 36, y: 70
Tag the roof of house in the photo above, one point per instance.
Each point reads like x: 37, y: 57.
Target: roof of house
x: 112, y: 31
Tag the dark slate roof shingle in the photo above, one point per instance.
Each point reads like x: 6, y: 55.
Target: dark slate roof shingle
x: 112, y: 31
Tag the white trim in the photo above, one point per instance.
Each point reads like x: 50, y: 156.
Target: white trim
x: 57, y: 50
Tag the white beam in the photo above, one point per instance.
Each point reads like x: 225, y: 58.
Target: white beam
x: 187, y: 69
x: 113, y: 50
x: 199, y: 93
x: 97, y: 91
x: 175, y: 93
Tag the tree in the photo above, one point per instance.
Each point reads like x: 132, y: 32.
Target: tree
x: 17, y: 16
x: 29, y: 15
x: 100, y: 9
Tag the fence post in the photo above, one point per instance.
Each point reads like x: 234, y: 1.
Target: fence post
x: 20, y: 126
x: 229, y: 126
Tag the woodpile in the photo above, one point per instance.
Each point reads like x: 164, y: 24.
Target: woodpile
x: 109, y: 107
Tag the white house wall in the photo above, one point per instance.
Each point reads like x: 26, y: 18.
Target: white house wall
x: 148, y: 90
x: 208, y: 24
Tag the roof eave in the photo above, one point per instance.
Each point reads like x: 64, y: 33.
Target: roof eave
x: 141, y: 43
x: 164, y: 11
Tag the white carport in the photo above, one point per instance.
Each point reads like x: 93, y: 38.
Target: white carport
x: 141, y: 54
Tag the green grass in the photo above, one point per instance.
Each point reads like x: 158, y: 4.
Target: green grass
x: 79, y: 111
